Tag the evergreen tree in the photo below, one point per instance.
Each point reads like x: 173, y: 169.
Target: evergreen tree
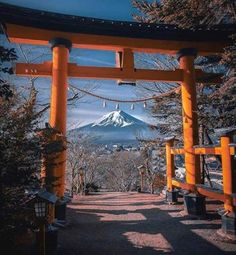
x: 6, y: 56
x: 216, y: 104
x: 19, y: 154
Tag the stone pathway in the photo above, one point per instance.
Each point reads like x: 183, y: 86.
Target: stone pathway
x: 141, y: 224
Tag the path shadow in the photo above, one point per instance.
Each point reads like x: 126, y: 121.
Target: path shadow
x: 146, y: 231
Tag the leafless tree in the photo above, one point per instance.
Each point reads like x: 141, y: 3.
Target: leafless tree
x: 154, y: 163
x: 121, y: 170
x: 82, y: 160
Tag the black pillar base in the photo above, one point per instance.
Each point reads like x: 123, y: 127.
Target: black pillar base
x: 172, y: 196
x: 228, y: 226
x: 60, y: 210
x: 195, y: 205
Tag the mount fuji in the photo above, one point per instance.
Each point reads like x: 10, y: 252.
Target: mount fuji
x: 115, y: 127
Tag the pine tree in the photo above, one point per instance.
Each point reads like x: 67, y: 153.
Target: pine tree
x: 6, y: 55
x: 19, y: 154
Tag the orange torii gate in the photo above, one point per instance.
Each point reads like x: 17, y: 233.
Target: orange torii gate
x: 28, y: 26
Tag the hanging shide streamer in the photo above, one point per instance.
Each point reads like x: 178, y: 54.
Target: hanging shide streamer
x: 144, y: 104
x: 132, y: 106
x: 104, y: 104
x: 117, y: 106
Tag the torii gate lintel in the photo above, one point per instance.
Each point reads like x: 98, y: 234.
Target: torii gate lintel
x: 24, y: 25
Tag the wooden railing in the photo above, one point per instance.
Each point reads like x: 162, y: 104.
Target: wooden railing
x: 227, y: 150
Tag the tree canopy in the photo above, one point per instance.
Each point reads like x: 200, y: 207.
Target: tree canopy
x: 19, y: 153
x: 216, y: 103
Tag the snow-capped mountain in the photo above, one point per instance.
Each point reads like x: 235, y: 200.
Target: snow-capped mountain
x: 117, y: 119
x: 115, y: 127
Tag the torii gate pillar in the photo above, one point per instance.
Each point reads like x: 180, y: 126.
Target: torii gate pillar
x: 194, y: 204
x: 58, y: 108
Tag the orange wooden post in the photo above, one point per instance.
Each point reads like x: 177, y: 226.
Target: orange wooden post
x: 170, y: 168
x: 171, y: 194
x: 125, y: 61
x: 58, y: 107
x: 228, y: 226
x: 194, y: 204
x: 189, y: 111
x: 229, y: 183
x: 119, y: 62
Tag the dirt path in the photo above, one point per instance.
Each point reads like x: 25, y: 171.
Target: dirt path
x: 133, y: 223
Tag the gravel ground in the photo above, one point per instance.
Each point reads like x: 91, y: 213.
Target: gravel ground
x: 137, y: 223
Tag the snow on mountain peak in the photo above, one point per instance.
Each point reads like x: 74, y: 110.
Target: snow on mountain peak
x: 116, y: 127
x: 117, y: 119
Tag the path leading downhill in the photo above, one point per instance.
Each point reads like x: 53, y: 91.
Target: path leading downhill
x: 141, y: 224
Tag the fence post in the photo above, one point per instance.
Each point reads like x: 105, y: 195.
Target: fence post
x: 229, y: 184
x: 171, y: 194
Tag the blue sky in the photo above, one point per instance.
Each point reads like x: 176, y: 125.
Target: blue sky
x: 107, y: 9
x: 88, y: 109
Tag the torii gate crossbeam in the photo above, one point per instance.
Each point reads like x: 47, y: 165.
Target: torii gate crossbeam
x: 23, y: 25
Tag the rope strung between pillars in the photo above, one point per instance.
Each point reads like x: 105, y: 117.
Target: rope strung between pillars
x: 129, y: 100
x: 132, y: 101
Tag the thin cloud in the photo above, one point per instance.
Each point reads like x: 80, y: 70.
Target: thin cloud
x: 93, y: 60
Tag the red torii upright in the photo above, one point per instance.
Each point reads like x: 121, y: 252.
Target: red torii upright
x: 28, y: 26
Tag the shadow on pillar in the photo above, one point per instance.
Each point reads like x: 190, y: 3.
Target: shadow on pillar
x: 195, y: 205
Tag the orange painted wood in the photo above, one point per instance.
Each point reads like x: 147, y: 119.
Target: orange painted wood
x: 58, y: 104
x: 183, y: 185
x: 34, y: 70
x: 229, y: 181
x: 232, y: 150
x: 170, y: 166
x: 203, y: 151
x: 198, y: 151
x: 58, y: 113
x: 75, y: 71
x: 37, y: 36
x: 177, y: 151
x: 208, y: 151
x: 91, y: 72
x: 127, y: 59
x: 211, y: 193
x: 190, y: 123
x: 124, y: 74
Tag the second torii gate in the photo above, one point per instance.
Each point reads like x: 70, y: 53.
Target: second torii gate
x: 61, y: 32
